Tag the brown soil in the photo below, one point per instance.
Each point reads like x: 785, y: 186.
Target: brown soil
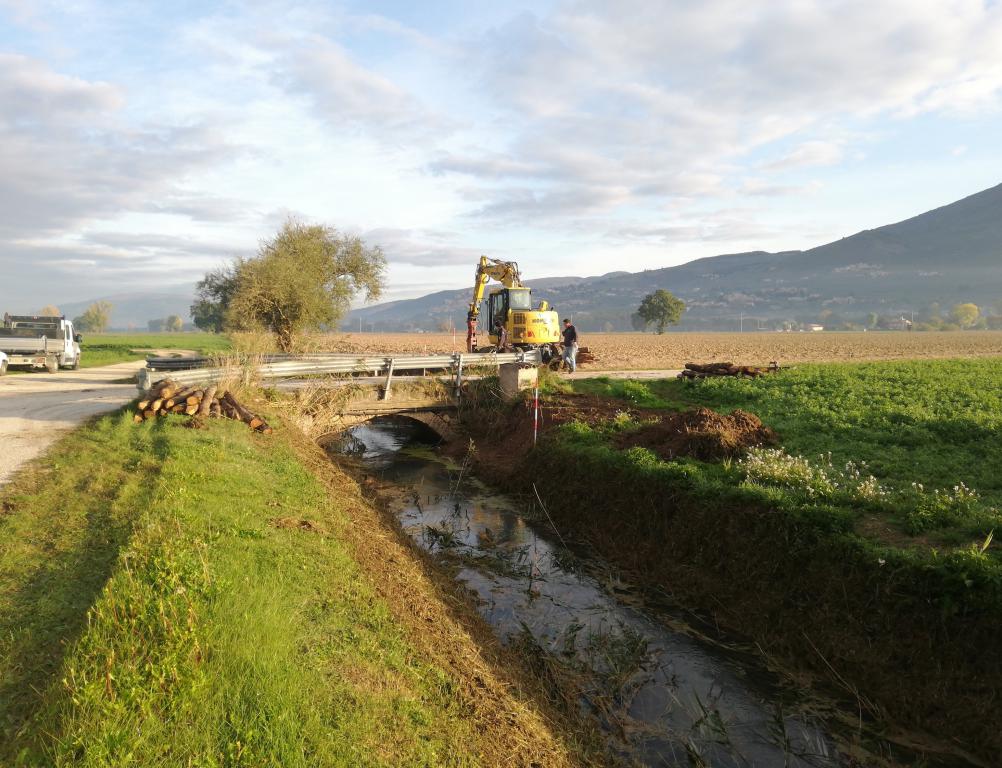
x: 702, y: 434
x: 309, y: 526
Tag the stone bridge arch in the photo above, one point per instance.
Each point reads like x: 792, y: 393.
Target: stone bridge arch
x: 332, y: 411
x: 442, y: 423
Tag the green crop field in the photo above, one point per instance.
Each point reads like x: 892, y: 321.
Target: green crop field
x: 108, y: 348
x: 918, y: 443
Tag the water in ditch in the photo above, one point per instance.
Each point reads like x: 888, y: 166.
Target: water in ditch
x: 666, y: 690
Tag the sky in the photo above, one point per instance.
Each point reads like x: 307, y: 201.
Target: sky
x: 142, y: 144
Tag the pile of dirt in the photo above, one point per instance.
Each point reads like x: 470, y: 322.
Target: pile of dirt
x: 701, y: 434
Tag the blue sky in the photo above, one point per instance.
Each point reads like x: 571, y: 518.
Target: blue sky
x: 141, y: 144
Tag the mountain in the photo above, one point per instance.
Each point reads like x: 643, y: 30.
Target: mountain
x: 134, y: 310
x: 946, y: 256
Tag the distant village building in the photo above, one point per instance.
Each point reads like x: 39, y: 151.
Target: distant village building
x: 815, y: 327
x: 900, y: 324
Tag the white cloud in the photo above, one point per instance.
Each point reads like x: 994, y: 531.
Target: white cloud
x: 580, y: 123
x: 809, y: 154
x: 631, y: 94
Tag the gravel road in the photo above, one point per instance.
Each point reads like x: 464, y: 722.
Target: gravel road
x: 36, y: 408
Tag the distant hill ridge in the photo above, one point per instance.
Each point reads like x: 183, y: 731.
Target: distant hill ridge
x: 949, y: 255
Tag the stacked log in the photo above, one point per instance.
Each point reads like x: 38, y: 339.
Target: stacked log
x: 704, y: 370
x: 167, y: 397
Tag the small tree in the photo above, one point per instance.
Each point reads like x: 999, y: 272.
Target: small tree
x: 50, y: 310
x: 872, y: 319
x: 661, y: 308
x: 965, y: 315
x: 212, y: 299
x: 95, y: 318
x: 174, y: 323
x: 303, y: 279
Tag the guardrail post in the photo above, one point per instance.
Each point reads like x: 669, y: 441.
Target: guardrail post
x: 389, y: 377
x: 459, y: 375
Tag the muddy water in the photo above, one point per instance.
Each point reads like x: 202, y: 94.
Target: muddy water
x: 665, y: 690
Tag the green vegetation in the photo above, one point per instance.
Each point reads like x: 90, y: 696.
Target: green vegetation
x: 302, y: 279
x: 108, y: 348
x: 864, y: 547
x: 173, y: 596
x: 94, y: 319
x: 661, y: 309
x: 916, y: 442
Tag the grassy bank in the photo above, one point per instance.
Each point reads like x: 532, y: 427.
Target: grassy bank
x: 108, y: 348
x: 928, y: 433
x: 173, y: 596
x: 891, y: 591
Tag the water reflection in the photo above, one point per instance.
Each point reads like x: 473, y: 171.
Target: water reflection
x: 664, y: 695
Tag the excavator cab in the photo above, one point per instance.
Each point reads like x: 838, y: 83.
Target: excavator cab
x: 511, y: 309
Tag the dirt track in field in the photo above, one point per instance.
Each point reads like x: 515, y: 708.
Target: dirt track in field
x: 37, y: 408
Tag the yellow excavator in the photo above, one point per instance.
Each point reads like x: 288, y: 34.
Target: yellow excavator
x: 511, y: 320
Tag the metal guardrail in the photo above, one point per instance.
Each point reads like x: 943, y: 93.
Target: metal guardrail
x: 340, y: 365
x: 188, y: 363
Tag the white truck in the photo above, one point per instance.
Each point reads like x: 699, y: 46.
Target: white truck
x: 40, y: 342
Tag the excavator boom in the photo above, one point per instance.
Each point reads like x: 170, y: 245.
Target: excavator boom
x: 505, y: 272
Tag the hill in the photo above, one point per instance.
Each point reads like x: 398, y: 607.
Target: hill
x: 134, y: 310
x: 945, y: 256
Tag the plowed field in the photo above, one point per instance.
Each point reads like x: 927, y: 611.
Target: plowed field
x: 672, y: 350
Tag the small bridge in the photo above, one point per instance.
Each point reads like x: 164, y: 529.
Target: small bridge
x: 339, y: 391
x: 331, y: 411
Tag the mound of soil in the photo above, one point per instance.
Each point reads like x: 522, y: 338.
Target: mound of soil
x: 701, y: 434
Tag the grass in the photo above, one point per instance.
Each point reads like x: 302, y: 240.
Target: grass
x: 909, y: 429
x: 108, y: 348
x: 172, y: 596
x: 864, y: 547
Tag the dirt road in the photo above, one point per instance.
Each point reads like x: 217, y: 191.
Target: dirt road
x: 37, y: 408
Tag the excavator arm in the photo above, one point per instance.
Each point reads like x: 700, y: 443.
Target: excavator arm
x: 505, y: 272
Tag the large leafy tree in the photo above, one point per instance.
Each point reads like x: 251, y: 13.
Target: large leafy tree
x: 95, y: 318
x: 303, y: 279
x: 965, y: 315
x: 661, y: 309
x: 213, y: 297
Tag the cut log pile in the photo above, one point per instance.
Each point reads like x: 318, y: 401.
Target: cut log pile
x: 704, y: 370
x: 167, y: 396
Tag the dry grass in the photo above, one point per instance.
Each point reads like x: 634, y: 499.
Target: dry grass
x: 638, y: 351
